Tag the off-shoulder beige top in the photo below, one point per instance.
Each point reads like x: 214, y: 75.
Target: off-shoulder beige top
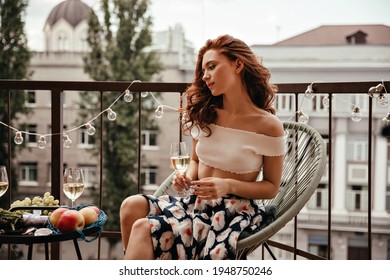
x: 234, y: 150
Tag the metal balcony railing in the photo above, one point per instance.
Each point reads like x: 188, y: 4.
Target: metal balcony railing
x: 296, y: 90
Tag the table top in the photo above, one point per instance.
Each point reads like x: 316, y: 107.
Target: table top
x: 18, y: 238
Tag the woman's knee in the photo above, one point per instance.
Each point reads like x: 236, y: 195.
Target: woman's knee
x: 141, y: 226
x: 136, y: 204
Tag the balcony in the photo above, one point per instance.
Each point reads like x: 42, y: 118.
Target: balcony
x: 349, y: 211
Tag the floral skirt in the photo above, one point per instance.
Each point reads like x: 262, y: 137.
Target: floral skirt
x: 185, y: 228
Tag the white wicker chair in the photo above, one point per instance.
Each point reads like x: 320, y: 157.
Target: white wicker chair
x: 304, y: 164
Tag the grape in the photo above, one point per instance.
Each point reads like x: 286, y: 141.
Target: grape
x: 46, y: 200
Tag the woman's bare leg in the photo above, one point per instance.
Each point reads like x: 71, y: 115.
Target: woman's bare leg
x: 133, y: 209
x: 140, y: 245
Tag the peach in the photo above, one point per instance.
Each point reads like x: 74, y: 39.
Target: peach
x: 56, y: 214
x: 90, y: 215
x: 70, y: 220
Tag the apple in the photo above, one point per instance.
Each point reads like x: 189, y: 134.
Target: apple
x: 56, y: 214
x: 90, y: 215
x: 70, y: 220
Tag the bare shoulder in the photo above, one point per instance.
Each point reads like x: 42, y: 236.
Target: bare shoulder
x: 270, y: 125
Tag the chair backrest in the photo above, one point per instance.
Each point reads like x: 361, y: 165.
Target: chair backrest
x: 303, y: 168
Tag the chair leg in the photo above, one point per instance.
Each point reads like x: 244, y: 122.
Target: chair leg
x: 269, y: 250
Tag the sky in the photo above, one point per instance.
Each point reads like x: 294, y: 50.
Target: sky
x: 254, y: 21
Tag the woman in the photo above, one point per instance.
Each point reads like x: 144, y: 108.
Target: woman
x: 236, y: 138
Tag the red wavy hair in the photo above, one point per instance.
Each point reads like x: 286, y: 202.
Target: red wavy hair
x: 201, y: 104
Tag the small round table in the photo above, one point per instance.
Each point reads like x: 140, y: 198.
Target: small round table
x: 30, y: 239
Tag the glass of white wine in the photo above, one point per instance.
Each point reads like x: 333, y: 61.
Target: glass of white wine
x: 180, y: 160
x: 3, y: 180
x: 73, y: 185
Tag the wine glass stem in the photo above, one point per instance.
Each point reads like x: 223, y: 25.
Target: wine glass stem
x: 72, y: 202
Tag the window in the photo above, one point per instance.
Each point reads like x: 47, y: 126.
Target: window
x: 62, y: 41
x: 149, y: 139
x: 28, y: 174
x: 319, y: 200
x: 357, y: 249
x: 30, y: 98
x: 318, y: 245
x: 284, y: 102
x: 357, y: 148
x: 318, y: 103
x: 85, y: 140
x: 357, y: 198
x: 31, y: 139
x: 326, y: 141
x: 388, y: 149
x: 90, y: 178
x: 149, y: 175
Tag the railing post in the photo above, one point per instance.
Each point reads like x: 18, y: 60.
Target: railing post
x: 56, y: 153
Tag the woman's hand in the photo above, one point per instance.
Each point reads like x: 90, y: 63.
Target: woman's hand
x: 210, y: 188
x: 181, y: 182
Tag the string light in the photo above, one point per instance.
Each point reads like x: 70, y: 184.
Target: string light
x: 42, y: 142
x: 67, y: 141
x: 356, y: 115
x: 326, y: 101
x: 383, y: 100
x: 159, y: 112
x: 386, y: 120
x: 302, y: 117
x: 374, y: 91
x: 309, y: 92
x: 90, y: 129
x: 111, y: 115
x: 18, y: 138
x: 128, y: 97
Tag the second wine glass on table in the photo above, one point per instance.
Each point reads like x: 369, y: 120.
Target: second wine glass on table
x: 3, y: 180
x: 73, y: 183
x: 180, y: 160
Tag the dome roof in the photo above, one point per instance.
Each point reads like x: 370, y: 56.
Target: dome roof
x: 73, y: 11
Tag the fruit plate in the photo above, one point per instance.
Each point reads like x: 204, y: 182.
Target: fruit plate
x: 98, y: 224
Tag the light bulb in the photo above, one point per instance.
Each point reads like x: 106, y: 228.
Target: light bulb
x: 379, y: 87
x: 309, y: 93
x: 386, y: 120
x: 90, y: 129
x: 67, y: 141
x: 326, y: 101
x: 383, y: 100
x: 111, y: 115
x: 128, y: 97
x: 42, y: 142
x: 374, y: 91
x: 356, y: 115
x: 302, y: 117
x: 144, y: 94
x: 159, y: 112
x: 18, y: 138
